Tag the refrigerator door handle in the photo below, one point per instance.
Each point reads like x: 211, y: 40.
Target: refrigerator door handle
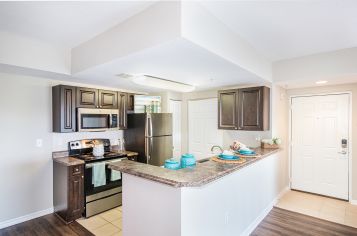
x: 149, y: 126
x: 148, y: 148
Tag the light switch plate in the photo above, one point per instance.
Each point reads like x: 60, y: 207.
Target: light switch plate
x: 39, y: 142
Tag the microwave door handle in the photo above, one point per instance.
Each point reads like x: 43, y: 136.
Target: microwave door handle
x: 110, y: 121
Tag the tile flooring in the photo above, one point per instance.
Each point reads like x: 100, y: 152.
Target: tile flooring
x: 321, y: 207
x: 105, y: 224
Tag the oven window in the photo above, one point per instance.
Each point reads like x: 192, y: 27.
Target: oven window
x: 94, y: 121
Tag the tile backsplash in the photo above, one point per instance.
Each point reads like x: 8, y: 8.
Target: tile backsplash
x: 249, y: 138
x: 60, y: 140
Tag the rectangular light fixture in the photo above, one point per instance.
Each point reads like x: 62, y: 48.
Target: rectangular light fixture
x: 321, y: 82
x: 155, y: 82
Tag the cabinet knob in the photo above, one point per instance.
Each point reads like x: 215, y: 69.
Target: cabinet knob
x: 76, y: 170
x: 82, y: 176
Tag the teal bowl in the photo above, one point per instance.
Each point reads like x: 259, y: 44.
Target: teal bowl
x: 227, y: 157
x: 172, y: 164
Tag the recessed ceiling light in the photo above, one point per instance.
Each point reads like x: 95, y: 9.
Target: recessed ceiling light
x: 321, y: 82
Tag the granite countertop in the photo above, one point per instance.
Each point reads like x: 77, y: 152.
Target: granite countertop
x: 63, y: 157
x: 202, y: 174
x: 68, y: 161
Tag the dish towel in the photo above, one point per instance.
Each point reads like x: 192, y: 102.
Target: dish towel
x: 98, y: 174
x: 115, y: 175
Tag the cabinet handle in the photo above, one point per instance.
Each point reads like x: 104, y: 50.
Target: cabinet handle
x: 82, y: 177
x: 76, y: 170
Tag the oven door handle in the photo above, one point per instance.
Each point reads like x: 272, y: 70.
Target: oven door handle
x: 89, y: 165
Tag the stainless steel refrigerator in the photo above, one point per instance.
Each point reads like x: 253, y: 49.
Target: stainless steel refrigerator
x: 151, y: 136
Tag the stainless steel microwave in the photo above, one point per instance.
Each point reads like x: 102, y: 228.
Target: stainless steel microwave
x: 91, y: 119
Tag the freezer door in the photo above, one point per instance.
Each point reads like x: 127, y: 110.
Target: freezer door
x: 158, y: 150
x: 159, y: 124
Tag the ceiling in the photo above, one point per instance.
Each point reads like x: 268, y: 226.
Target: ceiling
x: 278, y: 30
x: 291, y: 28
x: 178, y: 60
x: 66, y: 24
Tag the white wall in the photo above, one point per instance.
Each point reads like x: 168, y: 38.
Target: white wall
x: 204, y: 29
x: 31, y: 53
x: 157, y: 24
x: 336, y: 67
x: 234, y: 204
x: 26, y: 170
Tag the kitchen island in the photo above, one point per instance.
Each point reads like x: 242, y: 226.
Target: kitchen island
x: 210, y: 199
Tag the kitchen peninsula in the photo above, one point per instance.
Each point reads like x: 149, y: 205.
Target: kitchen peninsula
x: 210, y: 199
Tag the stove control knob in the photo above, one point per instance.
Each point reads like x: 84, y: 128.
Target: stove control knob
x: 77, y: 144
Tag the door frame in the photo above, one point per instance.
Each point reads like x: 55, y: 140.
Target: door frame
x: 178, y: 100
x: 349, y: 93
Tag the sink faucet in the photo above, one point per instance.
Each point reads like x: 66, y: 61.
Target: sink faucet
x: 216, y: 146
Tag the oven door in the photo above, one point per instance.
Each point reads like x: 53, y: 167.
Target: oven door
x: 99, y: 178
x: 93, y: 119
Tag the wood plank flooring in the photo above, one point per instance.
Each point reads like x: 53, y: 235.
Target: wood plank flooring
x: 279, y: 222
x: 283, y: 222
x: 49, y: 225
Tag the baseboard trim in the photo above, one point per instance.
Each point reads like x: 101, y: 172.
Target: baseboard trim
x: 264, y: 213
x: 24, y: 218
x: 353, y: 202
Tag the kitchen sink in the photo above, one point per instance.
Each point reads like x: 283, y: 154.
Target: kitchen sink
x: 203, y: 160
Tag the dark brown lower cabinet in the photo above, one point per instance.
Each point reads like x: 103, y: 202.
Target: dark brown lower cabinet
x: 68, y: 191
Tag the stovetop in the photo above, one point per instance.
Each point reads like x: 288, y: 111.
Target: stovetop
x: 83, y: 149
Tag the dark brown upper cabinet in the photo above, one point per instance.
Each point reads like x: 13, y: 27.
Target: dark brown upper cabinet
x: 63, y: 109
x: 94, y: 98
x: 227, y: 109
x: 87, y: 97
x: 108, y: 99
x: 122, y: 105
x: 244, y: 109
x: 253, y: 108
x: 131, y: 103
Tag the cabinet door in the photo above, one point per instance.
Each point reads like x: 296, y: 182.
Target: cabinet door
x: 87, y: 97
x: 131, y: 103
x: 64, y: 108
x: 227, y: 109
x: 253, y: 111
x: 108, y: 99
x: 75, y: 193
x: 122, y: 103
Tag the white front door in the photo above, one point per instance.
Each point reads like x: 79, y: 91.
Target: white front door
x: 175, y: 109
x: 203, y: 130
x: 319, y: 160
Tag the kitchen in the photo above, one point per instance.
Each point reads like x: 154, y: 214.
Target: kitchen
x: 94, y: 114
